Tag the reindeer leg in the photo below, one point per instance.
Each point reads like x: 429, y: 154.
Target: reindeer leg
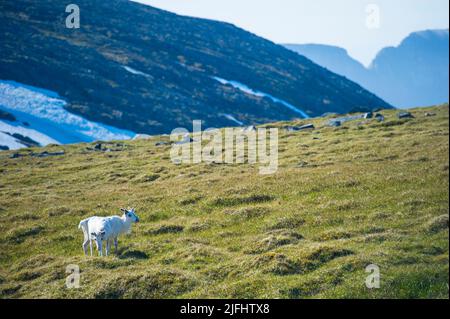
x: 108, y: 246
x: 100, y: 248
x: 116, y: 244
x: 85, y: 244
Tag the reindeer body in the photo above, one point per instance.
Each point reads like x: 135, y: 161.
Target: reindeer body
x: 106, y: 229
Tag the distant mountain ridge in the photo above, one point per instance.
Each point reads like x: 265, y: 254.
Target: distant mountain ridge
x: 146, y: 70
x: 334, y: 58
x: 415, y: 73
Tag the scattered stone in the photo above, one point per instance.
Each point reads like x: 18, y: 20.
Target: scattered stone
x: 379, y: 117
x: 161, y: 143
x: 307, y: 127
x: 300, y: 128
x: 100, y: 147
x: 405, y: 115
x: 142, y: 137
x: 335, y: 123
x: 48, y: 154
x: 302, y: 164
x: 430, y: 114
x: 16, y: 155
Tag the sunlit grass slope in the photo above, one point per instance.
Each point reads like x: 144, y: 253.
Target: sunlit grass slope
x: 343, y: 198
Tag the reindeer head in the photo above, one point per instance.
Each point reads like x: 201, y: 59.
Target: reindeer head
x: 130, y: 215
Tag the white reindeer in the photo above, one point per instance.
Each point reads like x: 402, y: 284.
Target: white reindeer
x: 102, y: 229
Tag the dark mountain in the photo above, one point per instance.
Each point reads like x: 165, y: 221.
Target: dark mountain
x: 416, y: 73
x: 147, y: 70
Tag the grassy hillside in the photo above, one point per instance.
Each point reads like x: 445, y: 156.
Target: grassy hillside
x: 343, y: 198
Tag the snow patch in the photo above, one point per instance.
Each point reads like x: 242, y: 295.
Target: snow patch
x: 36, y: 136
x: 135, y: 72
x: 244, y: 88
x: 48, y: 121
x: 233, y: 119
x: 10, y: 142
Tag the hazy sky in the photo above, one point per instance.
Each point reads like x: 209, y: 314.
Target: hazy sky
x: 351, y: 24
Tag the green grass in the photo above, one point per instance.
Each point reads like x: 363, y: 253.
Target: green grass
x: 343, y: 198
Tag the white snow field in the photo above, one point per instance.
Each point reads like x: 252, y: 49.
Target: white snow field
x: 40, y: 116
x: 244, y: 88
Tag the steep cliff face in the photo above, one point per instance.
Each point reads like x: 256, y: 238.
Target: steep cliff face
x: 146, y: 70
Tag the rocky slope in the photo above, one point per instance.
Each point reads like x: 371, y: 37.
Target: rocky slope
x: 148, y: 71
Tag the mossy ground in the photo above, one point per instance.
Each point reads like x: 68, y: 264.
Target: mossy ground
x: 343, y: 198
